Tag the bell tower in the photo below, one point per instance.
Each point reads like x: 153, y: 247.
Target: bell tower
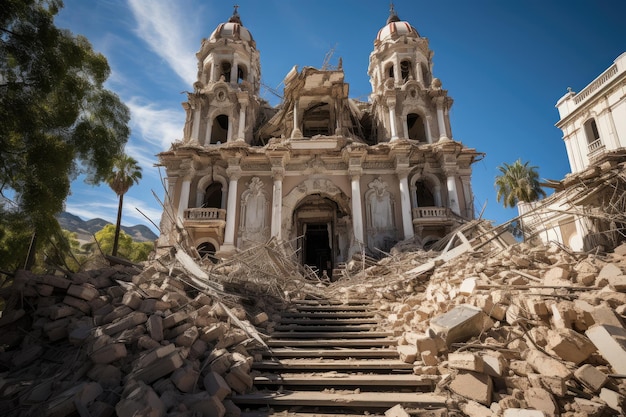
x: 224, y: 103
x: 408, y: 102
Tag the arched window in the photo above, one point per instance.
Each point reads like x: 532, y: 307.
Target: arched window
x: 406, y: 70
x: 207, y: 250
x: 591, y: 131
x: 416, y: 128
x: 390, y: 71
x: 213, y: 196
x: 241, y: 74
x: 219, y: 130
x: 425, y: 197
x: 225, y: 70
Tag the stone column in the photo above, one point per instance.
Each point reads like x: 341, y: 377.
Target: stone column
x: 391, y: 103
x: 234, y: 173
x: 243, y: 103
x: 296, y: 132
x: 441, y: 122
x: 233, y: 72
x: 405, y: 201
x: 419, y: 76
x: 453, y: 195
x: 429, y: 135
x: 357, y: 211
x: 229, y: 135
x: 437, y: 195
x: 183, y: 201
x: 209, y: 128
x: 195, y: 128
x: 277, y: 202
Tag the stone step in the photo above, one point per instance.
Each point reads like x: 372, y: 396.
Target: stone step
x: 338, y: 400
x: 334, y: 364
x: 364, y: 307
x: 328, y: 314
x: 323, y: 328
x: 328, y: 335
x: 327, y: 321
x: 355, y: 301
x: 337, y: 379
x: 331, y: 353
x: 339, y: 343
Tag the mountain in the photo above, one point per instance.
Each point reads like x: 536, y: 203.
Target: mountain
x: 86, y: 229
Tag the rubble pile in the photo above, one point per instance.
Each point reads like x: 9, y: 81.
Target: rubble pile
x: 519, y: 330
x: 124, y: 341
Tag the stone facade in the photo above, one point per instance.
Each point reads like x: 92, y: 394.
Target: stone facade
x: 329, y: 173
x: 588, y: 206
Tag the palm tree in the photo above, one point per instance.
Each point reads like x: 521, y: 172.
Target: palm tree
x: 518, y: 182
x: 125, y: 173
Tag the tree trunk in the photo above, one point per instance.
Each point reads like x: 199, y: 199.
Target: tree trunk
x: 118, y: 226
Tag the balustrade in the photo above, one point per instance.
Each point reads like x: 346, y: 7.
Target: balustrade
x: 206, y: 213
x: 595, y: 146
x: 431, y: 212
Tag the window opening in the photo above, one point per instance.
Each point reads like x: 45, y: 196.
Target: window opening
x: 213, y: 196
x: 405, y: 70
x: 219, y: 130
x: 425, y: 197
x: 226, y: 67
x: 416, y: 128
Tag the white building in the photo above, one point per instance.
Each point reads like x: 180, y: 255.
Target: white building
x: 332, y: 174
x: 582, y: 213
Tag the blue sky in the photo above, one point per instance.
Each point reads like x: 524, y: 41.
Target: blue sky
x: 505, y: 63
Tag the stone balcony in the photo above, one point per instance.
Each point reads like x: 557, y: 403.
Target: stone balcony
x: 208, y: 216
x: 425, y: 216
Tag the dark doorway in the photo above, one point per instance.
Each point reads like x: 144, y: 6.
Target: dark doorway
x: 213, y: 196
x: 206, y: 250
x: 317, y: 252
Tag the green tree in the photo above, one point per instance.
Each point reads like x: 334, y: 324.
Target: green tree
x: 56, y: 118
x: 133, y: 251
x: 518, y: 182
x: 125, y: 173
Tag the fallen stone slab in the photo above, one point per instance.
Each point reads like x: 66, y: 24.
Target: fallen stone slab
x: 569, y: 345
x: 474, y: 386
x: 613, y: 399
x: 141, y: 397
x: 591, y: 377
x: 546, y: 365
x: 610, y: 342
x: 460, y: 324
x: 540, y: 399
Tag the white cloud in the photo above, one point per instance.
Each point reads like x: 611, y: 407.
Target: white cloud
x: 166, y: 30
x: 131, y: 211
x: 158, y: 126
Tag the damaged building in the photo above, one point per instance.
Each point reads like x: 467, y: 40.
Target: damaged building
x: 588, y: 207
x: 331, y: 174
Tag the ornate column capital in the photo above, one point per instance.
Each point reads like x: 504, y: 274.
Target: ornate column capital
x: 233, y: 172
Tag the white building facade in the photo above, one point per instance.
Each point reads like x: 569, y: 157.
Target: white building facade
x: 593, y: 122
x: 329, y: 173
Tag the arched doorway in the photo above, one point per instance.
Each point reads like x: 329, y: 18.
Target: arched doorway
x: 213, y: 196
x: 316, y: 222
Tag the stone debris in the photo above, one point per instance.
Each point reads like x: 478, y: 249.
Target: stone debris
x: 125, y: 340
x: 502, y: 328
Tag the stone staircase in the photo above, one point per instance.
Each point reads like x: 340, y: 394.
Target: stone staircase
x: 329, y: 358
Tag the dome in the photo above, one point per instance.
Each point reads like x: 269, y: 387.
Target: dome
x: 396, y: 28
x: 233, y: 29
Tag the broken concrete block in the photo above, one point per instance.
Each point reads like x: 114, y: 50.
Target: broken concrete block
x: 611, y: 343
x: 238, y: 380
x: 473, y: 409
x: 613, y: 399
x: 260, y: 319
x: 460, y: 324
x: 216, y: 386
x: 556, y: 385
x: 569, y: 345
x: 173, y: 319
x: 495, y: 363
x: 141, y: 397
x: 109, y: 353
x: 591, y: 377
x: 607, y: 272
x: 408, y: 353
x: 108, y: 376
x: 132, y: 300
x: 221, y: 363
x: 519, y: 412
x: 158, y: 368
x: 589, y: 408
x: 537, y: 307
x: 85, y: 292
x: 206, y: 406
x: 546, y: 365
x: 557, y: 276
x: 540, y: 399
x: 397, y: 411
x: 562, y: 315
x: 120, y: 311
x: 133, y: 319
x: 426, y: 343
x: 79, y: 395
x: 466, y: 361
x: 155, y: 327
x: 198, y: 349
x: 429, y: 358
x: 485, y: 302
x: 185, y: 378
x: 468, y: 286
x: 604, y: 314
x: 474, y: 386
x: 188, y: 337
x: 77, y: 303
